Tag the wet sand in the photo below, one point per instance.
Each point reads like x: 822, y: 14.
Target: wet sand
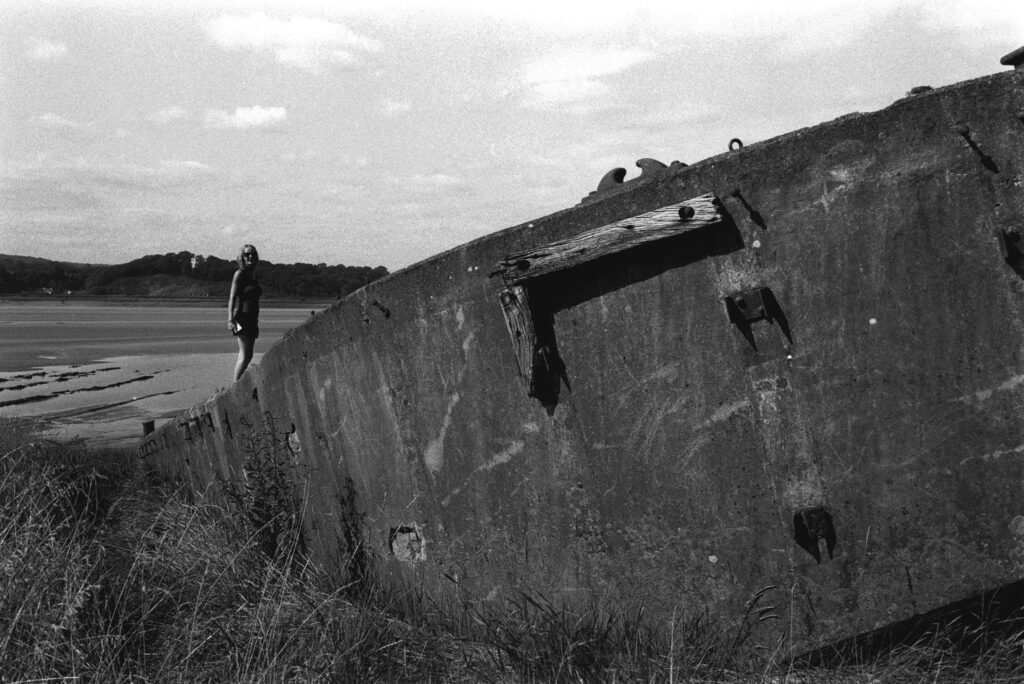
x: 98, y: 371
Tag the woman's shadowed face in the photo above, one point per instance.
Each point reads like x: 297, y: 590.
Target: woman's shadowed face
x: 249, y: 258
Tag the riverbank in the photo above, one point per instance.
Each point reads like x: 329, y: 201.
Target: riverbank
x: 115, y: 300
x: 98, y: 370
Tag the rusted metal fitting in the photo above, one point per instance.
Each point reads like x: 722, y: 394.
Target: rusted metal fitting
x: 735, y: 144
x: 611, y: 179
x: 686, y: 213
x: 750, y: 306
x: 650, y: 167
x: 616, y: 178
x: 812, y: 524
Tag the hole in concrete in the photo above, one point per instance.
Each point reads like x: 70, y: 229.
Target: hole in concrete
x: 293, y: 440
x: 406, y: 544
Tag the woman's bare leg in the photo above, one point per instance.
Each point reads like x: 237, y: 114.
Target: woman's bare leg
x: 245, y: 347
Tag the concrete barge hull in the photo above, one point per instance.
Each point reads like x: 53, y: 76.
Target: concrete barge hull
x: 859, y: 447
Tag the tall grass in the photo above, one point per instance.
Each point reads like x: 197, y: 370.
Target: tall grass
x: 109, y: 574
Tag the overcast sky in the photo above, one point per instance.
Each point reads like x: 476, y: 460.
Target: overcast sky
x: 381, y: 133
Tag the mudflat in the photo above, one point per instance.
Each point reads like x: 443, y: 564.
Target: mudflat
x: 99, y: 369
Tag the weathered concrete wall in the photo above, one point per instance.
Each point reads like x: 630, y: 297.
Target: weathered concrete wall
x: 888, y: 391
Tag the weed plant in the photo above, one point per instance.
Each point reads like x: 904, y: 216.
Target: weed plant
x: 266, y: 498
x: 109, y: 574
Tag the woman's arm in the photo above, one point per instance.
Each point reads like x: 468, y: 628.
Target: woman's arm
x: 232, y: 300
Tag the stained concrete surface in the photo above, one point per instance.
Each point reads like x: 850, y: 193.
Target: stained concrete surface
x: 687, y: 451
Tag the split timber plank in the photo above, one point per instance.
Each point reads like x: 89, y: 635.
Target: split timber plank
x: 515, y: 305
x: 609, y: 239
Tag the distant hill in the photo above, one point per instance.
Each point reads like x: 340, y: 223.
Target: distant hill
x: 178, y: 275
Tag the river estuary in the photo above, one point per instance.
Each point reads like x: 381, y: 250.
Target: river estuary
x: 98, y: 370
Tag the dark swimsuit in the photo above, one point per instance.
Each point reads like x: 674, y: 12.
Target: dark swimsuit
x: 247, y: 315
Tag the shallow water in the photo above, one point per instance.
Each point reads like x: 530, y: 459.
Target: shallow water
x: 98, y: 370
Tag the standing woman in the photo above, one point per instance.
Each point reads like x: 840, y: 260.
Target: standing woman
x: 244, y: 307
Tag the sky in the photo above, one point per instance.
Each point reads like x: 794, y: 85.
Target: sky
x: 381, y: 133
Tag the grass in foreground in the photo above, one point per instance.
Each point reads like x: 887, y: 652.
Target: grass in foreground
x: 109, y: 575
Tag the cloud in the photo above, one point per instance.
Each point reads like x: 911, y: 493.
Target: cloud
x: 434, y: 180
x: 168, y: 114
x: 556, y: 94
x: 246, y: 117
x: 576, y: 63
x: 988, y: 20
x: 56, y: 122
x: 43, y: 50
x: 637, y: 116
x: 50, y: 197
x: 573, y: 76
x: 97, y: 177
x: 303, y: 42
x: 184, y: 166
x: 429, y: 183
x: 44, y: 196
x: 391, y: 108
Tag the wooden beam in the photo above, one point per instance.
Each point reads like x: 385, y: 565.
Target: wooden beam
x: 515, y: 305
x: 667, y: 221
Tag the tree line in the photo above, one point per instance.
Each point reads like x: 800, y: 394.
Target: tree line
x: 22, y: 275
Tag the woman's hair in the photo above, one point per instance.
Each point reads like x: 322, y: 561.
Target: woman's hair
x: 242, y: 251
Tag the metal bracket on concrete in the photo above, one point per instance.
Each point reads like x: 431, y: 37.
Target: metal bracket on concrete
x: 748, y: 308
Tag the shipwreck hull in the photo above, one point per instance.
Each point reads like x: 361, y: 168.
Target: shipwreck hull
x: 836, y: 367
